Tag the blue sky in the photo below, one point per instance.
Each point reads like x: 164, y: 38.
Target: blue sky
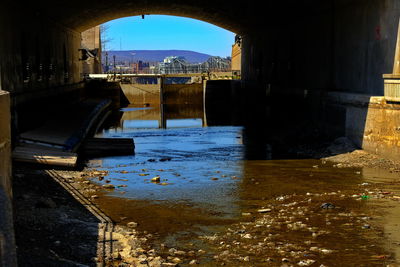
x: 157, y: 32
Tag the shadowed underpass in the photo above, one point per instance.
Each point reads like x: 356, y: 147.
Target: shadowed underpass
x: 219, y: 180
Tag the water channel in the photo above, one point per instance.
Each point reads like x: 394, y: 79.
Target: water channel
x: 216, y: 197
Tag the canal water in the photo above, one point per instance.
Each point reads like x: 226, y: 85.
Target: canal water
x: 222, y: 195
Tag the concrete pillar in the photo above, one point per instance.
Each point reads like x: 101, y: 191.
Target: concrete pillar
x: 7, y: 242
x: 160, y: 81
x: 396, y: 65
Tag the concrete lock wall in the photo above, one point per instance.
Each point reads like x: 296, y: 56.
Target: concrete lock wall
x: 7, y: 243
x: 183, y: 93
x: 142, y: 93
x: 172, y: 93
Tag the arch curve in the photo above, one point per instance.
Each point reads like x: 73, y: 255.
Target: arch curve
x: 84, y: 14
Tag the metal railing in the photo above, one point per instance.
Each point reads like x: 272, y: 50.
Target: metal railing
x: 216, y: 75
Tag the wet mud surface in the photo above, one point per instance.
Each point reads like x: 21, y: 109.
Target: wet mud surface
x: 192, y: 196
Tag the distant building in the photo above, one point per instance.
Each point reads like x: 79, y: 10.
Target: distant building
x: 140, y: 67
x: 91, y: 51
x: 237, y: 54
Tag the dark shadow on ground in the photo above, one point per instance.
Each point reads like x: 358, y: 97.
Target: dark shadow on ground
x: 51, y: 227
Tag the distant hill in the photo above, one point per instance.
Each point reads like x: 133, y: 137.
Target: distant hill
x: 155, y: 55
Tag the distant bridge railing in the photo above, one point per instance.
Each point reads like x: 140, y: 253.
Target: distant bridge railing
x: 206, y: 76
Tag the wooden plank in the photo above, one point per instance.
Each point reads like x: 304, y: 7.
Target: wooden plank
x: 44, y: 155
x: 108, y: 146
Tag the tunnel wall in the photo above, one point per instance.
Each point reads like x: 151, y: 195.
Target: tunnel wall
x: 39, y: 56
x: 342, y: 45
x: 337, y: 46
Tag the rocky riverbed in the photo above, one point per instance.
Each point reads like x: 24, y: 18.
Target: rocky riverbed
x: 69, y: 218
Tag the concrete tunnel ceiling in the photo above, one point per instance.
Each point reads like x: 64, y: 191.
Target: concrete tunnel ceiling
x: 84, y: 14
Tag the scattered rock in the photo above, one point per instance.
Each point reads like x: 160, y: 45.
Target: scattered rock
x: 307, y: 262
x: 142, y: 259
x: 176, y: 260
x: 327, y: 206
x: 326, y: 251
x: 247, y: 236
x: 108, y: 186
x: 132, y: 224
x: 116, y: 255
x: 264, y: 210
x: 156, y: 179
x: 180, y: 253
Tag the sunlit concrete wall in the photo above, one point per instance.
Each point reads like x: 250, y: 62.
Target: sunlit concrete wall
x: 172, y: 93
x: 375, y: 126
x: 183, y: 93
x: 142, y: 93
x: 91, y: 39
x: 236, y: 57
x: 370, y: 122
